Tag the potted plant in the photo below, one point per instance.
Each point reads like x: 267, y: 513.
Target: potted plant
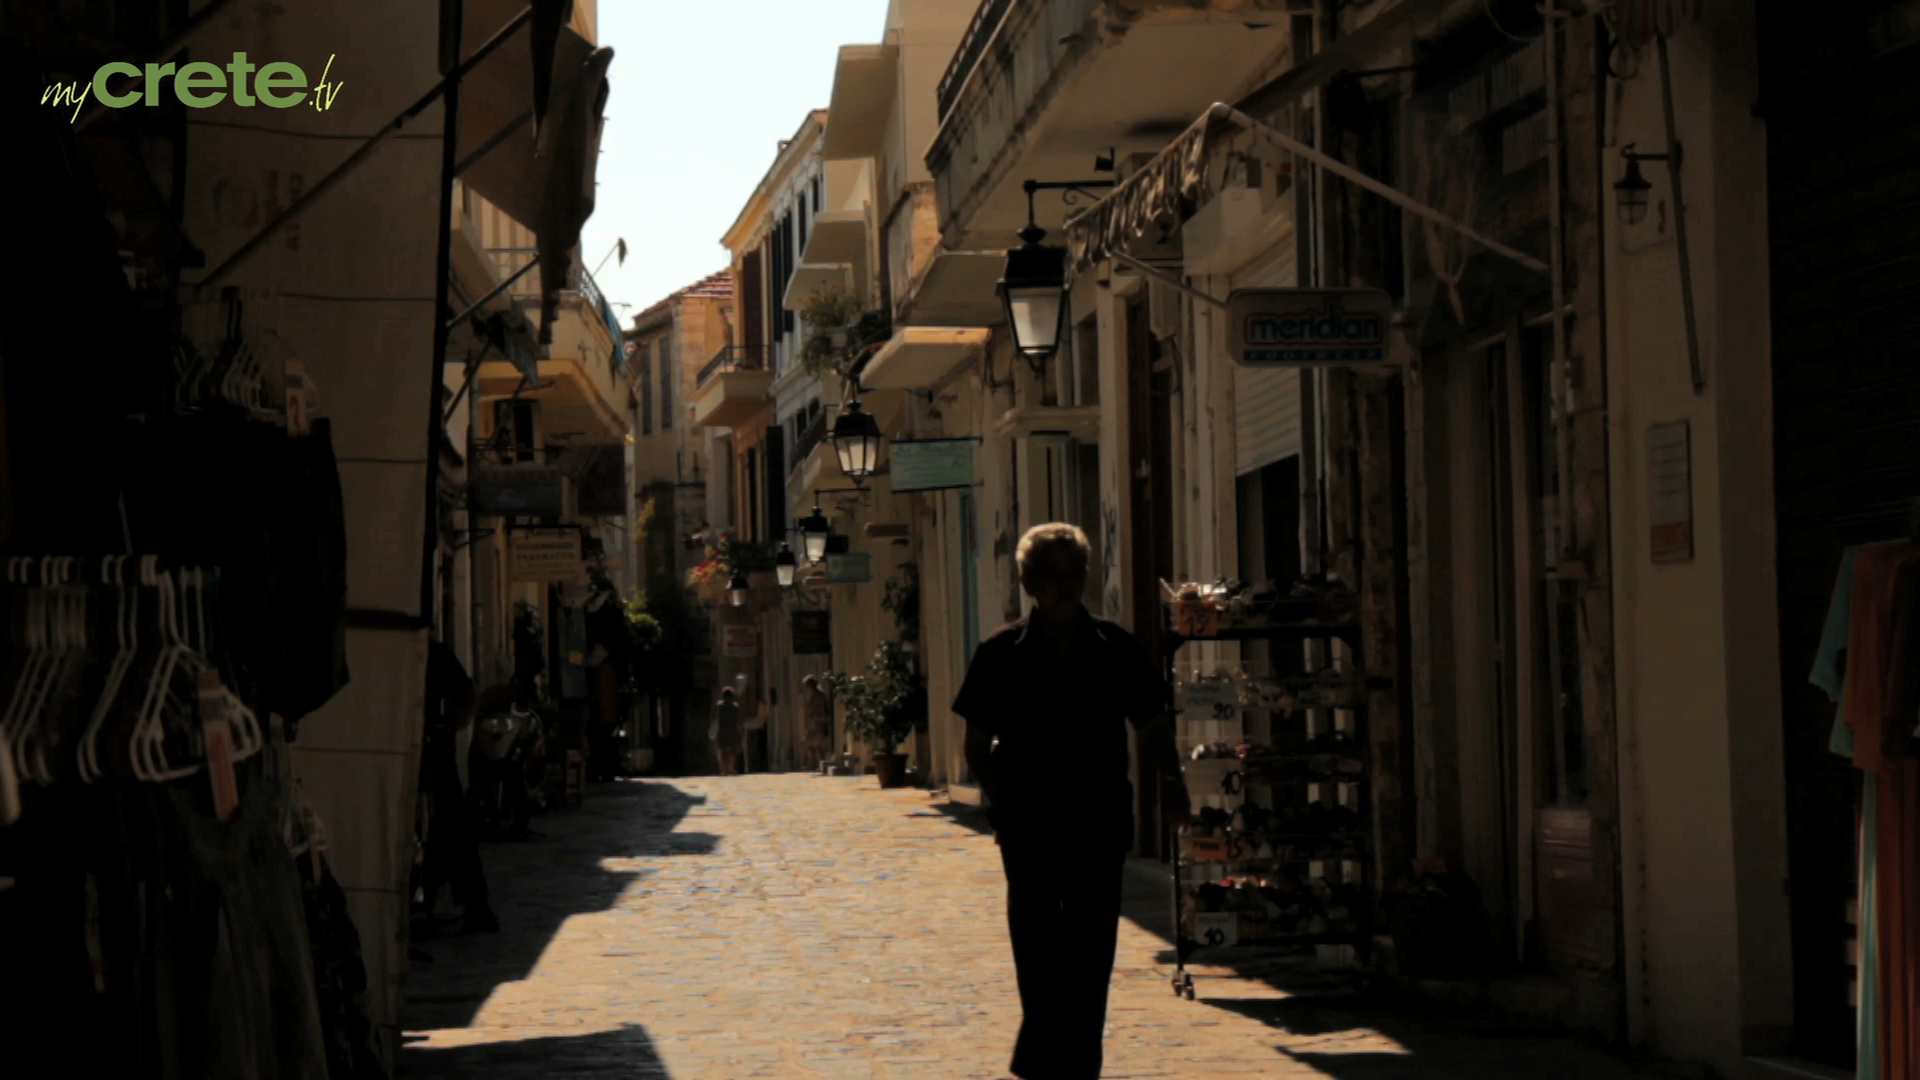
x: 880, y: 706
x: 838, y: 330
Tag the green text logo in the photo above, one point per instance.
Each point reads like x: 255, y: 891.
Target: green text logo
x: 199, y: 85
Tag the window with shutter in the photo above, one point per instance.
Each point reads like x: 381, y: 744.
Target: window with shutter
x: 646, y: 390
x: 666, y: 384
x: 776, y: 483
x: 750, y: 292
x: 776, y: 277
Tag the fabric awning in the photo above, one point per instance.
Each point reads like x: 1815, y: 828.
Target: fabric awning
x: 1159, y: 196
x: 529, y: 130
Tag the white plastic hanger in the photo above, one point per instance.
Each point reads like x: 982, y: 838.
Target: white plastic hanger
x: 47, y: 653
x: 127, y: 644
x: 68, y: 649
x: 149, y: 742
x: 29, y: 628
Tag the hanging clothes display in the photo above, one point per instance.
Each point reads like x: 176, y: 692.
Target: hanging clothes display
x: 1869, y: 665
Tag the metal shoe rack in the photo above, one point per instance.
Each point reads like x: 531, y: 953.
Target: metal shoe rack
x: 1319, y: 887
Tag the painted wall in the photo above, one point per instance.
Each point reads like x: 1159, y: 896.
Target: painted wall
x: 1699, y: 715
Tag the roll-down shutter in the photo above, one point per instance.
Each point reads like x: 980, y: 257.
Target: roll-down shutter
x: 1266, y: 402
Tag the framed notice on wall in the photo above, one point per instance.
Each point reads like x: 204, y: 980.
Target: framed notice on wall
x: 741, y: 642
x: 1670, y: 492
x: 548, y: 557
x: 812, y: 633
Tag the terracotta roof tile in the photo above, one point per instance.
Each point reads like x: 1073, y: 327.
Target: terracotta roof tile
x: 712, y: 287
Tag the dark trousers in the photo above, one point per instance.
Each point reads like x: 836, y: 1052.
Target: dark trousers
x: 453, y: 844
x: 1063, y: 915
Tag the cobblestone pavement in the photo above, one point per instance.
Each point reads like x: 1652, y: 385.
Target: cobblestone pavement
x: 813, y: 927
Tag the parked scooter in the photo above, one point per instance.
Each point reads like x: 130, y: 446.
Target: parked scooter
x: 507, y: 771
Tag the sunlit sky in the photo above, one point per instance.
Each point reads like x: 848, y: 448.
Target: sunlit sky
x: 701, y: 96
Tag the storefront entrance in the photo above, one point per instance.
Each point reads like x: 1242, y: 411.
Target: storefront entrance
x: 1841, y: 100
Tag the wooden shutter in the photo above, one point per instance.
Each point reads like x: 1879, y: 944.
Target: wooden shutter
x: 646, y: 389
x: 776, y: 484
x: 750, y: 292
x: 666, y: 383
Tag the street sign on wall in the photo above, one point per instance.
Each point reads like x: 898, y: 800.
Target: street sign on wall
x: 518, y: 491
x: 812, y: 633
x: 853, y: 569
x: 740, y: 642
x: 930, y: 464
x: 1292, y: 328
x: 548, y: 557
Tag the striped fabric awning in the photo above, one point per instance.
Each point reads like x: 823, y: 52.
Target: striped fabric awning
x: 1159, y: 195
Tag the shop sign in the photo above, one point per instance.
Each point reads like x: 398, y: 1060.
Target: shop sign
x: 812, y: 633
x: 548, y: 557
x: 740, y: 642
x: 853, y: 569
x: 518, y: 491
x: 1292, y: 328
x: 1670, y: 492
x: 930, y: 464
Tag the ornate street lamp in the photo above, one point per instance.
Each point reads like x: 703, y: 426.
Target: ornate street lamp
x: 785, y: 566
x: 737, y: 590
x: 1632, y: 190
x: 856, y: 440
x: 1033, y: 287
x: 814, y: 530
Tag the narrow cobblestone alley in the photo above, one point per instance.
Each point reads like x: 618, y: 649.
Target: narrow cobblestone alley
x: 812, y: 927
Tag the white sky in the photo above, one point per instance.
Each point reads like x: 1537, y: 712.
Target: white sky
x: 701, y: 96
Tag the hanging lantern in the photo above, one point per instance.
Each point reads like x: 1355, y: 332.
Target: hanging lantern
x: 737, y: 590
x: 1033, y: 287
x: 814, y: 530
x: 785, y: 566
x: 856, y: 439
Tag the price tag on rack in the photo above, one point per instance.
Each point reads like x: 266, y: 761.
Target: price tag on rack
x: 1217, y: 929
x: 1196, y: 619
x: 218, y: 732
x: 1212, y: 702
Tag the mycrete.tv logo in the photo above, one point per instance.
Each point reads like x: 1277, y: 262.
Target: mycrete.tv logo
x: 200, y: 85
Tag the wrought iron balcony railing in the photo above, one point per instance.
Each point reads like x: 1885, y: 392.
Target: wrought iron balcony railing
x: 973, y: 45
x: 734, y: 358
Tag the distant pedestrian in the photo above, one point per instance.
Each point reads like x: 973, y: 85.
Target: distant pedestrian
x: 816, y: 732
x: 1062, y: 682
x: 452, y: 841
x: 727, y: 733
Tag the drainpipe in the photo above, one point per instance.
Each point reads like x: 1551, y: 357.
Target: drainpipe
x: 1562, y: 382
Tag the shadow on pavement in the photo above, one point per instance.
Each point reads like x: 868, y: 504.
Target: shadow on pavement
x: 1327, y: 1023
x: 628, y: 1052
x: 536, y: 885
x: 972, y: 817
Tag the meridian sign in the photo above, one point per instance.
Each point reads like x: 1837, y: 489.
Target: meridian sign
x: 1291, y: 328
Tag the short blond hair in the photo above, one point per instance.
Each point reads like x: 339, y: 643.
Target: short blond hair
x: 1056, y: 550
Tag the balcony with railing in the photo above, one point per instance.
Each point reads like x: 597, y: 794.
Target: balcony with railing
x: 732, y: 386
x: 1035, y: 86
x: 966, y: 56
x: 733, y: 358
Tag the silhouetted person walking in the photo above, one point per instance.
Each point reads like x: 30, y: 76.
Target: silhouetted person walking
x: 1047, y: 701
x: 728, y: 735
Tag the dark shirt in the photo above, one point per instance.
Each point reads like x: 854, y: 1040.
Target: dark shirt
x: 1061, y: 765
x: 449, y: 690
